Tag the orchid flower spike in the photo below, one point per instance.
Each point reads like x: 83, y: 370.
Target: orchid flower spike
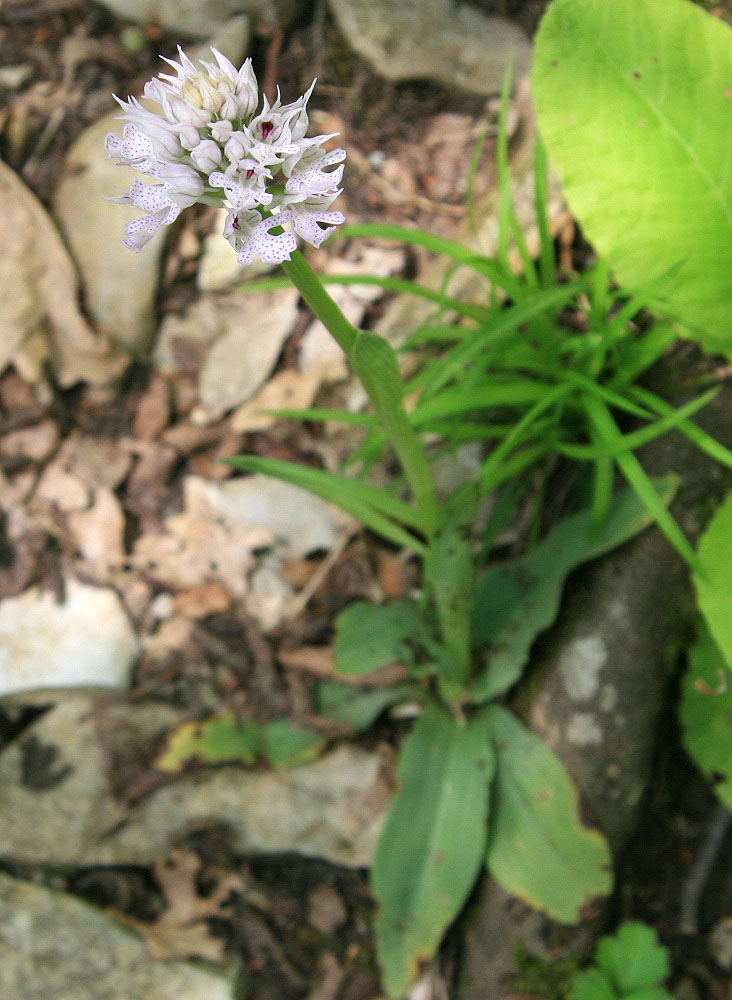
x: 207, y: 144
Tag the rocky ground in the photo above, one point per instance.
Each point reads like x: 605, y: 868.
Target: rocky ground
x: 143, y: 585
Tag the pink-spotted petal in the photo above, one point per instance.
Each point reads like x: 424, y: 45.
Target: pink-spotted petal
x: 306, y: 225
x: 272, y: 249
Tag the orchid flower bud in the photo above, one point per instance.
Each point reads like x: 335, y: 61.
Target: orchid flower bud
x: 207, y: 156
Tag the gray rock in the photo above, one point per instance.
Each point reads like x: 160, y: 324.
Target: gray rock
x: 200, y: 18
x: 231, y: 38
x: 333, y: 808
x: 54, y: 797
x: 119, y: 285
x: 58, y: 809
x: 454, y: 45
x: 53, y: 945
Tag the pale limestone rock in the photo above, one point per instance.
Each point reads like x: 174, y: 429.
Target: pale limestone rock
x: 254, y: 329
x: 298, y: 520
x: 580, y: 665
x: 119, y: 285
x: 58, y: 819
x: 87, y: 641
x: 332, y: 808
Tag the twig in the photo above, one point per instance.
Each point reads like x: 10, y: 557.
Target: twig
x: 270, y: 72
x: 300, y: 601
x: 53, y: 124
x: 696, y: 881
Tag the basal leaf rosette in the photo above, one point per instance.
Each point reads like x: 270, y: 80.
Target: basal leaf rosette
x: 208, y: 145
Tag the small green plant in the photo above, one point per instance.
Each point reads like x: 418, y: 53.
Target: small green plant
x: 629, y: 965
x: 476, y: 788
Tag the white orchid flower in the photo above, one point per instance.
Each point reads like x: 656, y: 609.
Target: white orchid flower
x: 208, y: 144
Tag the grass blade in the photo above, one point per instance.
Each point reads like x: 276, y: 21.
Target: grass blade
x: 376, y: 509
x: 607, y: 431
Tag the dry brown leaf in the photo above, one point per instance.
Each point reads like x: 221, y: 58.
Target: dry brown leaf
x: 35, y: 443
x: 60, y: 488
x: 193, y: 550
x: 173, y: 635
x: 165, y: 941
x: 153, y: 410
x: 328, y: 978
x: 289, y: 389
x: 326, y: 909
x: 39, y: 312
x: 148, y: 488
x: 205, y: 599
x: 99, y: 531
x: 97, y: 461
x: 181, y: 930
x: 319, y: 661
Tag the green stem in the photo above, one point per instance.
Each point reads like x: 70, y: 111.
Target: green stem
x: 374, y: 362
x: 310, y: 287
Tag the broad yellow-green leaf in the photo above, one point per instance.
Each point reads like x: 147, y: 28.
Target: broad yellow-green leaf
x: 634, y: 102
x: 714, y: 583
x: 433, y: 842
x: 538, y: 847
x: 706, y: 712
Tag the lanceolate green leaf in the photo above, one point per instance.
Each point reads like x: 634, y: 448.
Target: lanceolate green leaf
x: 358, y: 708
x: 371, y: 636
x: 538, y: 848
x: 375, y: 363
x: 516, y: 601
x: 375, y: 508
x: 633, y: 102
x: 433, y: 842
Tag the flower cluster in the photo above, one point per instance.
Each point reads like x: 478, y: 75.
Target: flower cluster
x: 208, y: 145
